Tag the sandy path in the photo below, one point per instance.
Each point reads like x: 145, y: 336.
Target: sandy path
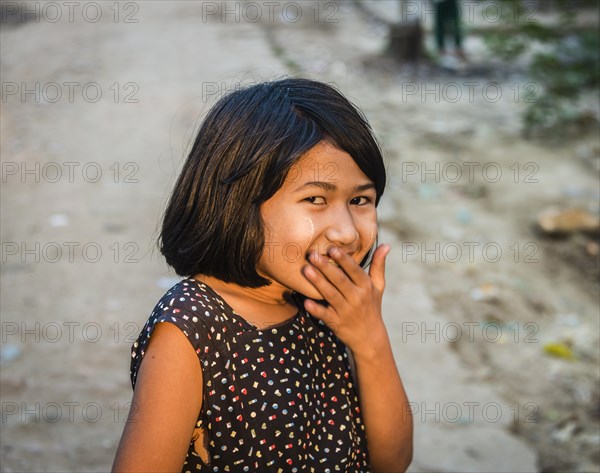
x: 67, y: 325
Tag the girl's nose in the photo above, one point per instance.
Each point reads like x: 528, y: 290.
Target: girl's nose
x: 342, y: 230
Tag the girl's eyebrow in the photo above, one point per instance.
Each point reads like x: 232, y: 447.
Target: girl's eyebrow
x: 328, y: 186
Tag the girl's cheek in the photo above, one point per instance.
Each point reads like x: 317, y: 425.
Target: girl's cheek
x: 303, y: 228
x: 369, y: 234
x: 311, y: 232
x: 305, y: 234
x: 372, y: 235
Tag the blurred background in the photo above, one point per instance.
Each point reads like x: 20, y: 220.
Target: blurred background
x: 488, y: 115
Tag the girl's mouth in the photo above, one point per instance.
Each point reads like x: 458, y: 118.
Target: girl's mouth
x: 326, y: 258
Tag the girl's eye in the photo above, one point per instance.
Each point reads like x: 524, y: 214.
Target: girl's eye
x: 315, y: 200
x: 357, y: 200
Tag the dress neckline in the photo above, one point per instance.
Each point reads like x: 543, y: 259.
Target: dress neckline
x: 242, y: 318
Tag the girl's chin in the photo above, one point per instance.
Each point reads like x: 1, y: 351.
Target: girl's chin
x: 308, y: 290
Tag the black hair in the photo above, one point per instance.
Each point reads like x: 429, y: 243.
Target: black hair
x: 243, y: 151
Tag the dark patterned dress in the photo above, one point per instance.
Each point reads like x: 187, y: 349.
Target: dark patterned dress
x: 280, y: 399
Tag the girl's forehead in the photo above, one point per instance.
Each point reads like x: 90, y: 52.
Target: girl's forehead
x: 321, y: 149
x: 323, y: 155
x: 331, y: 167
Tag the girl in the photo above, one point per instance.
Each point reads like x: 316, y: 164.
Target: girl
x: 275, y: 357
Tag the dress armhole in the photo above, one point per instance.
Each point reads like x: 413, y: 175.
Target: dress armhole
x: 185, y: 321
x: 191, y: 333
x: 193, y: 330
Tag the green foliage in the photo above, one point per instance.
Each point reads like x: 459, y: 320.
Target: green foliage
x: 564, y: 63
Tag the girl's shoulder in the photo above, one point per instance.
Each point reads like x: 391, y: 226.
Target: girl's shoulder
x: 197, y: 311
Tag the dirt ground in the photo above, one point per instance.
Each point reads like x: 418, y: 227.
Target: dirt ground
x: 495, y: 327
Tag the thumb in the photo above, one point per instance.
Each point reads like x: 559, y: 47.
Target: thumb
x: 377, y: 268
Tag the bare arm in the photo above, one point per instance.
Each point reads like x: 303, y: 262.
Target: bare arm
x: 165, y: 405
x: 385, y: 409
x: 354, y: 315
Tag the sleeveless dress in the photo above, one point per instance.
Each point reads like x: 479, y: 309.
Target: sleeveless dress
x: 279, y: 399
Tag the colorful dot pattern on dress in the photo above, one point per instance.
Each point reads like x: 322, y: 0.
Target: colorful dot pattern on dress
x: 278, y: 399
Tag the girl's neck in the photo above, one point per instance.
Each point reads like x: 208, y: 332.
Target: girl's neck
x: 263, y: 305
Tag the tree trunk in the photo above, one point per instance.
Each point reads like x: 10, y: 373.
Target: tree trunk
x: 406, y: 37
x: 406, y: 41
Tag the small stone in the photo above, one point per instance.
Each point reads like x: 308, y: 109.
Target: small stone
x: 59, y: 220
x: 553, y: 221
x: 10, y: 353
x: 464, y: 216
x: 592, y: 248
x: 487, y: 292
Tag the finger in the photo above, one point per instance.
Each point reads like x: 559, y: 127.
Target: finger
x: 377, y: 268
x: 347, y: 263
x: 334, y: 274
x: 322, y: 284
x: 322, y: 313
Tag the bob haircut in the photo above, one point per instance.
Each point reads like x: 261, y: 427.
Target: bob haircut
x: 244, y: 149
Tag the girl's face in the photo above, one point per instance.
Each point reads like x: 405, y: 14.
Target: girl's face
x: 325, y: 200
